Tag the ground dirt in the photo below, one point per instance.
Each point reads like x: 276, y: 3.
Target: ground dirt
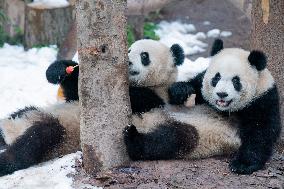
x: 206, y: 173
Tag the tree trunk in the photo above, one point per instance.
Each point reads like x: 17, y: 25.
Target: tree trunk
x: 14, y: 10
x: 268, y: 35
x: 103, y: 83
x: 46, y: 25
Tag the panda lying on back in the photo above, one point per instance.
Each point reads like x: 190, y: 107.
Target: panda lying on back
x: 237, y: 85
x: 36, y: 134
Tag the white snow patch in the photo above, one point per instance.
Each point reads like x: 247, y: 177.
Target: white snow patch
x: 213, y: 33
x: 190, y: 69
x: 177, y: 32
x: 50, y: 3
x: 76, y: 58
x: 225, y: 34
x: 206, y: 23
x: 48, y: 175
x: 23, y: 80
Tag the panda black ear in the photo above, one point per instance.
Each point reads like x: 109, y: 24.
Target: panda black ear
x: 217, y: 47
x: 257, y: 59
x: 178, y: 54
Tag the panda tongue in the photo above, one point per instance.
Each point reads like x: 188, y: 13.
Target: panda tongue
x: 222, y: 103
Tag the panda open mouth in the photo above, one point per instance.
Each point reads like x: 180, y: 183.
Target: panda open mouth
x: 223, y: 103
x: 133, y: 72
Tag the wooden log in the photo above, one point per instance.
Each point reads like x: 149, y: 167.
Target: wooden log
x: 46, y: 25
x: 103, y: 82
x: 268, y: 35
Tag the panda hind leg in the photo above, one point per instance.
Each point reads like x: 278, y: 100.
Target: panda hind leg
x: 31, y: 147
x: 171, y: 140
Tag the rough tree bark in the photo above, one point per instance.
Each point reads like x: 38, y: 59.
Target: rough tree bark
x: 103, y: 91
x: 268, y: 35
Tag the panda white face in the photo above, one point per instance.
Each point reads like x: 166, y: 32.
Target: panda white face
x: 150, y: 64
x: 230, y: 83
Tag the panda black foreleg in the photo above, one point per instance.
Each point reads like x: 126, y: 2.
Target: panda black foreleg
x: 170, y: 140
x: 30, y: 148
x: 180, y: 91
x: 254, y: 152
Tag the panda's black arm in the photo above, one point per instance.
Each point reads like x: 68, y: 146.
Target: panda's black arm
x: 180, y: 91
x: 260, y: 128
x: 143, y: 99
x: 56, y: 74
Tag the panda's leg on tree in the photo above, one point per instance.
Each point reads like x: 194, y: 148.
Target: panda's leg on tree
x: 56, y: 74
x: 180, y: 91
x: 29, y: 148
x: 259, y: 130
x: 171, y: 140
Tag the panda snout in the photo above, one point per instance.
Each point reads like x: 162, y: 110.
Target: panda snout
x: 222, y: 94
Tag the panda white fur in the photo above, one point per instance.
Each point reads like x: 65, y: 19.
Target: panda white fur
x: 236, y: 88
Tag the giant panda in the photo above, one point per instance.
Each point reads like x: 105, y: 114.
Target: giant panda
x: 35, y: 134
x: 236, y: 87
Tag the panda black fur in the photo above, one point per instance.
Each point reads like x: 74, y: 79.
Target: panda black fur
x: 36, y: 134
x: 237, y: 86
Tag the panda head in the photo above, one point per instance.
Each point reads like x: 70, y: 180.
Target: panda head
x: 152, y: 64
x: 235, y: 77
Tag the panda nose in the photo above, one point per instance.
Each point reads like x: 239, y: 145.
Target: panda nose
x: 130, y: 63
x: 222, y: 94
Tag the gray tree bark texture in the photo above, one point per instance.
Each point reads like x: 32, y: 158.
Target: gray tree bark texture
x: 268, y: 35
x: 14, y: 10
x: 46, y: 25
x: 103, y: 82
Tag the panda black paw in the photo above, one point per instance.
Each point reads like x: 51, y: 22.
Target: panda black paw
x: 134, y: 142
x: 240, y: 166
x: 179, y: 92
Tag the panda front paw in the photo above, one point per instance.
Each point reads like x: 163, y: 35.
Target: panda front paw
x: 244, y: 167
x: 179, y: 92
x: 134, y: 142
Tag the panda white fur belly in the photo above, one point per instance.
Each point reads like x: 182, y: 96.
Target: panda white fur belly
x: 236, y: 85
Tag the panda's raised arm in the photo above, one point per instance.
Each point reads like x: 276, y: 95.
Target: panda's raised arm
x: 56, y: 74
x: 180, y: 91
x: 144, y: 99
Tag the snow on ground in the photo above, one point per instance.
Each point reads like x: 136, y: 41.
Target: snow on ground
x: 51, y: 3
x: 48, y: 175
x: 187, y: 36
x: 23, y: 80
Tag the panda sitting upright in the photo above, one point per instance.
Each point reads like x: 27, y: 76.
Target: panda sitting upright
x: 36, y: 134
x: 236, y: 85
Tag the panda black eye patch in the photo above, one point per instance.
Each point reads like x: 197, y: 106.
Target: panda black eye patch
x: 145, y: 58
x: 237, y: 83
x: 215, y: 79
